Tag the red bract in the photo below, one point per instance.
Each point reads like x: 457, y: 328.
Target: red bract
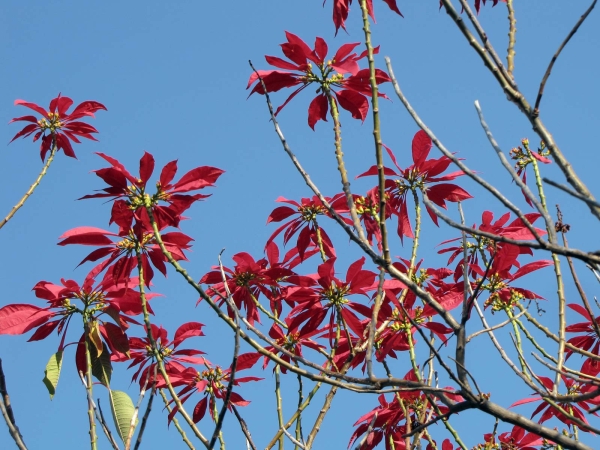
x: 142, y: 354
x: 330, y: 75
x: 387, y: 422
x: 514, y: 230
x: 575, y: 409
x: 129, y: 191
x: 94, y: 303
x: 113, y: 299
x: 246, y: 282
x: 502, y: 294
x: 121, y: 255
x: 212, y: 382
x: 290, y: 341
x: 341, y: 8
x: 60, y: 125
x: 313, y: 304
x: 419, y: 177
x: 310, y: 232
x: 589, y: 342
x: 395, y: 336
x: 516, y: 439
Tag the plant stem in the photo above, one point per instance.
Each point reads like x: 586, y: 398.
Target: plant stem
x: 35, y: 184
x: 157, y: 354
x: 279, y: 410
x: 512, y: 32
x: 337, y: 130
x: 89, y: 388
x: 175, y: 421
x: 376, y: 130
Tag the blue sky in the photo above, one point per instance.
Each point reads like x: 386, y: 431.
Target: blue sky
x: 173, y: 77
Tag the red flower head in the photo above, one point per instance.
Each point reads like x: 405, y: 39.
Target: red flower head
x: 419, y: 177
x: 307, y: 212
x: 142, y: 354
x: 211, y: 382
x: 61, y: 126
x: 128, y: 191
x: 328, y: 74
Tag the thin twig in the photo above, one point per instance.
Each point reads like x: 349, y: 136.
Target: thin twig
x: 296, y: 442
x: 487, y: 44
x: 244, y: 427
x: 236, y: 352
x: 138, y: 441
x: 35, y: 184
x: 7, y: 412
x: 376, y: 131
x: 136, y: 411
x: 521, y: 102
x: 495, y: 192
x: 536, y: 108
x: 512, y: 32
x: 10, y: 416
x: 175, y: 421
x: 99, y: 415
x: 571, y: 192
x: 509, y: 168
x: 495, y: 327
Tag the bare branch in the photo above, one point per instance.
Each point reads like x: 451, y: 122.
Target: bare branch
x: 536, y: 108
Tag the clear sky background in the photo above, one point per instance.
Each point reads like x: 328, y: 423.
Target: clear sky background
x: 173, y: 77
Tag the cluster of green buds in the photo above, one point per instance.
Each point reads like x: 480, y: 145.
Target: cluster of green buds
x: 414, y: 180
x: 310, y: 213
x: 522, y: 154
x: 495, y: 301
x: 130, y: 242
x: 399, y: 321
x: 243, y: 278
x: 289, y: 342
x: 164, y: 352
x: 214, y: 376
x: 368, y: 207
x: 335, y: 294
x: 52, y: 124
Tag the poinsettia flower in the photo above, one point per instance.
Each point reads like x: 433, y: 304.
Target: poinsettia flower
x: 341, y: 8
x: 122, y: 257
x: 329, y: 75
x: 517, y: 439
x: 387, y: 421
x: 105, y: 307
x: 141, y: 353
x: 57, y: 124
x: 128, y: 191
x: 503, y: 295
x: 420, y: 176
x: 246, y: 282
x: 590, y: 341
x: 400, y: 318
x: 307, y: 212
x: 513, y: 230
x: 524, y: 156
x: 212, y: 383
x: 330, y: 297
x: 575, y: 409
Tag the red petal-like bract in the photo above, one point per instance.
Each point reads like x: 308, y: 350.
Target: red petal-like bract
x: 20, y: 318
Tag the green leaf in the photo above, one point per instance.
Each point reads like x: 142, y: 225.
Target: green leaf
x: 122, y: 410
x: 52, y: 373
x: 102, y: 367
